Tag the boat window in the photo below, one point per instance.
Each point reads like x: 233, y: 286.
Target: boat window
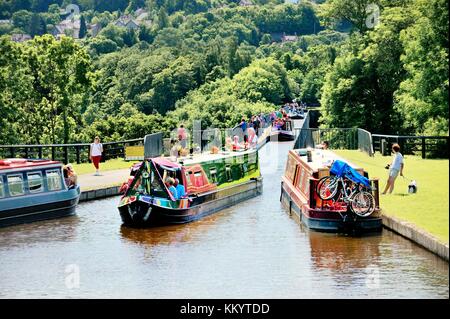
x: 2, y: 192
x: 301, y: 178
x: 54, y: 180
x: 213, y: 173
x: 35, y: 182
x: 138, y: 184
x: 156, y: 186
x: 288, y: 126
x: 198, y: 174
x: 228, y: 173
x: 188, y: 178
x: 15, y: 183
x: 290, y: 168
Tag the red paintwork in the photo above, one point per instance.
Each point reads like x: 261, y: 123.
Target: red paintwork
x: 299, y: 190
x: 165, y: 162
x: 196, y: 184
x: 10, y: 163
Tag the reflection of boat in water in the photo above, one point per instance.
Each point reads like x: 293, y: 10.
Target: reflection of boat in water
x: 299, y: 196
x: 283, y: 131
x: 32, y: 190
x: 212, y: 182
x: 162, y: 235
x: 344, y: 254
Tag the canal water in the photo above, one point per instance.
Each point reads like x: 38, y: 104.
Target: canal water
x: 252, y: 250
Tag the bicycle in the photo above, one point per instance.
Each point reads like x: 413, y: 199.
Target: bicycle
x: 354, y: 189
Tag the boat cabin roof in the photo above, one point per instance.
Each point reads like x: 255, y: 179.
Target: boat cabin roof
x: 198, y: 158
x: 22, y: 163
x: 321, y: 159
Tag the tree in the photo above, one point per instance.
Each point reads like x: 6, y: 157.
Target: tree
x: 83, y: 28
x: 162, y: 20
x: 21, y: 19
x: 61, y: 75
x: 354, y: 11
x: 37, y: 25
x: 422, y: 98
x: 266, y: 39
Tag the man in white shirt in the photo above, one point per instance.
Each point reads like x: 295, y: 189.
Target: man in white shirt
x: 394, y: 169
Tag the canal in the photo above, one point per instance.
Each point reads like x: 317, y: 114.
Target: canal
x: 252, y: 250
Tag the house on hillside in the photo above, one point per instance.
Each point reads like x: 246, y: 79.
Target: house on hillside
x: 70, y: 27
x: 126, y: 21
x: 20, y: 37
x: 289, y: 38
x: 246, y: 3
x: 94, y: 29
x: 139, y: 12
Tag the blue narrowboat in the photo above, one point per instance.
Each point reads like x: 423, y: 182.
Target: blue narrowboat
x: 32, y: 190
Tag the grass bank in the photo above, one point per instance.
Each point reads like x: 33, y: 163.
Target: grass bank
x: 110, y: 165
x: 429, y: 207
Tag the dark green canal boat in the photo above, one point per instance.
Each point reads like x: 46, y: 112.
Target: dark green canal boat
x: 212, y: 183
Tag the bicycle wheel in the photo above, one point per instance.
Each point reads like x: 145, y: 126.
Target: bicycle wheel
x: 362, y: 203
x: 327, y: 187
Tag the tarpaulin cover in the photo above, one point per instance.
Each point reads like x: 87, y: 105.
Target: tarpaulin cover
x: 342, y: 169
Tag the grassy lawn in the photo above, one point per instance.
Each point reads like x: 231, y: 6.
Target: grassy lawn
x: 113, y: 164
x: 428, y: 208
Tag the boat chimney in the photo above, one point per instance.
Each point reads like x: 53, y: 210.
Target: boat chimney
x: 309, y: 154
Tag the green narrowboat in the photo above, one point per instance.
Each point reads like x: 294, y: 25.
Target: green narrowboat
x: 212, y: 182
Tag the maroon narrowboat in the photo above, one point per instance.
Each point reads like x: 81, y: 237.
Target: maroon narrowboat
x: 299, y: 195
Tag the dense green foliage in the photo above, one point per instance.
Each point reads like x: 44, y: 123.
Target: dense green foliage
x: 216, y: 61
x: 394, y: 78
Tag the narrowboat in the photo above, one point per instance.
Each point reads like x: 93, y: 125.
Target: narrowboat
x: 300, y: 197
x: 32, y: 190
x: 212, y: 182
x: 283, y: 130
x: 296, y: 114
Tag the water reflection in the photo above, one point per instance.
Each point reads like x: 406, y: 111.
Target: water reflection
x: 165, y: 235
x: 62, y: 230
x: 341, y: 254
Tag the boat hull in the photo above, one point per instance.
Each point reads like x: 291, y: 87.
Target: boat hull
x: 330, y: 221
x: 39, y: 207
x: 142, y: 214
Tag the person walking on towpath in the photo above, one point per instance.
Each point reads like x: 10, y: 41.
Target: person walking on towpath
x: 95, y: 154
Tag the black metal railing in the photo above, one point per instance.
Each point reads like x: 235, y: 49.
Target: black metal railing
x: 67, y: 153
x: 425, y: 146
x: 338, y: 138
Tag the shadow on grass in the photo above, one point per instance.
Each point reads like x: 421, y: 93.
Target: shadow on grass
x: 401, y: 195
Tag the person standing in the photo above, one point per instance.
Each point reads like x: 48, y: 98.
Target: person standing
x: 170, y: 186
x: 96, y: 151
x: 182, y: 137
x: 243, y: 125
x: 181, y: 191
x: 394, y: 169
